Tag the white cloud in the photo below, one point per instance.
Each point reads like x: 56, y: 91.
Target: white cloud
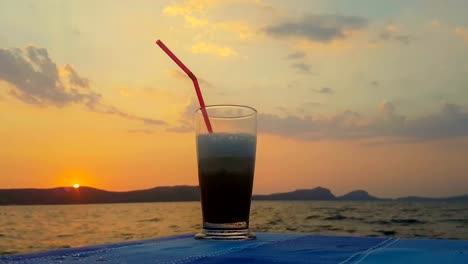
x: 205, y: 47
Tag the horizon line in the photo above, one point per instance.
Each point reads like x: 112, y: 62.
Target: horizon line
x: 186, y: 185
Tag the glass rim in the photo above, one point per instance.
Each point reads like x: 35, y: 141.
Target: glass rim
x: 253, y: 111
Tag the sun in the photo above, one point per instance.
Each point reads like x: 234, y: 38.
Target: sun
x: 76, y: 186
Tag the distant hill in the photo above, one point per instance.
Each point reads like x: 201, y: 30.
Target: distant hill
x: 88, y: 195
x: 461, y: 198
x: 358, y: 195
x: 318, y: 193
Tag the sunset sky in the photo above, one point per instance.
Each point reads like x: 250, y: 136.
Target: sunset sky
x: 351, y: 94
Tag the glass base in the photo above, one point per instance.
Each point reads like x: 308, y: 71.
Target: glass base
x: 225, y: 235
x: 233, y: 231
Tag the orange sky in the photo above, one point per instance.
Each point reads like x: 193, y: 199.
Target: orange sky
x: 55, y: 150
x: 350, y: 96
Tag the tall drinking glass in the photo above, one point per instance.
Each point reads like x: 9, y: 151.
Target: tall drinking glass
x: 226, y: 163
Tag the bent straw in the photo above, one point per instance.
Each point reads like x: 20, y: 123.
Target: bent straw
x: 194, y: 79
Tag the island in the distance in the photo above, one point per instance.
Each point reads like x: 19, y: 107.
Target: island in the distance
x: 88, y: 195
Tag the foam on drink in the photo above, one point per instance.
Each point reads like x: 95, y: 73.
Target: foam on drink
x: 226, y: 145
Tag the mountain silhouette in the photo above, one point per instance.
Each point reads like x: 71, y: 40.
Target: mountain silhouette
x: 89, y: 195
x: 317, y: 193
x: 460, y: 198
x: 86, y: 195
x: 358, y: 195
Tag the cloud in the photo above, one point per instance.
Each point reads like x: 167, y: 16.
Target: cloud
x: 176, y: 74
x: 112, y: 110
x: 73, y: 77
x: 243, y: 29
x: 435, y: 24
x: 324, y: 90
x: 281, y: 108
x: 205, y: 47
x: 141, y: 131
x: 304, y: 108
x: 188, y: 7
x: 307, y: 128
x: 186, y: 117
x: 393, y: 33
x: 38, y: 81
x: 310, y: 104
x: 76, y: 32
x: 296, y: 55
x: 301, y: 67
x: 386, y: 123
x: 375, y: 83
x: 185, y: 128
x: 450, y: 122
x: 191, y: 9
x: 177, y: 10
x: 462, y: 33
x: 196, y: 22
x: 322, y: 28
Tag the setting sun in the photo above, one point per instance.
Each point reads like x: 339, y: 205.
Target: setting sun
x: 76, y: 186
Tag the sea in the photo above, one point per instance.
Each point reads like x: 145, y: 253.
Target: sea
x: 27, y: 229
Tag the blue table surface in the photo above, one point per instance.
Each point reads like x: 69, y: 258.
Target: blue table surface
x: 267, y: 248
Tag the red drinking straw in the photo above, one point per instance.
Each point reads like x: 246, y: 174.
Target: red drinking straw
x: 194, y: 79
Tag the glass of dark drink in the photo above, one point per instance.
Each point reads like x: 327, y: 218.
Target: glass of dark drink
x: 226, y: 163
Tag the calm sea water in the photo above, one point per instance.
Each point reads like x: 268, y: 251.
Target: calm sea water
x: 25, y: 229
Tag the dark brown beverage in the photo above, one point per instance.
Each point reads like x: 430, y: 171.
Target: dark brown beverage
x: 226, y: 188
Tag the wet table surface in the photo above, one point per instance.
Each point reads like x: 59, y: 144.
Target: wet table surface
x: 267, y: 248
